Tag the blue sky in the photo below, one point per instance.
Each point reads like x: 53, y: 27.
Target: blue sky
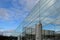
x: 13, y: 12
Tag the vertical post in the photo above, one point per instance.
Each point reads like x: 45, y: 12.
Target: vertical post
x: 18, y: 38
x: 39, y: 31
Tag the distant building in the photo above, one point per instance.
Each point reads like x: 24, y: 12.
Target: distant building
x: 1, y: 33
x: 29, y: 34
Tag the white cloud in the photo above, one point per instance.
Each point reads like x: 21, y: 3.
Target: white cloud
x: 57, y: 22
x: 11, y: 15
x: 4, y: 14
x: 16, y: 13
x: 28, y: 3
x: 31, y: 3
x: 50, y: 3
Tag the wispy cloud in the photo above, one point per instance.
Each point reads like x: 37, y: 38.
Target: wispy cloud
x: 4, y: 14
x: 14, y: 11
x: 19, y: 7
x: 31, y: 3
